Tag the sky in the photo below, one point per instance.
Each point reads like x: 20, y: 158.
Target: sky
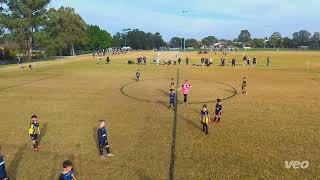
x: 221, y: 18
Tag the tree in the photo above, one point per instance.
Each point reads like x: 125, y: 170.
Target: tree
x: 137, y: 39
x: 192, y: 43
x: 258, y: 43
x: 23, y: 19
x: 73, y: 28
x: 117, y: 40
x: 276, y: 39
x: 52, y: 36
x: 315, y: 40
x: 287, y: 42
x: 159, y: 42
x: 175, y: 42
x: 244, y: 37
x: 301, y: 38
x: 97, y: 38
x: 209, y: 41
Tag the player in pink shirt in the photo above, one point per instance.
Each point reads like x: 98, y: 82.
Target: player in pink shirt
x: 185, y: 88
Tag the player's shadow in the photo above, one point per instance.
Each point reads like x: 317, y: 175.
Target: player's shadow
x: 190, y: 122
x: 18, y: 156
x: 95, y: 137
x: 43, y: 131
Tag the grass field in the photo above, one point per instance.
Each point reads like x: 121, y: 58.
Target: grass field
x: 277, y: 121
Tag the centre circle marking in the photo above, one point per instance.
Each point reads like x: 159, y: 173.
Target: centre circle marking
x: 122, y: 90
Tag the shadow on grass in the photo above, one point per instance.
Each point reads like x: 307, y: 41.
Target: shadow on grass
x: 95, y: 137
x: 14, y: 165
x: 43, y: 131
x: 190, y: 122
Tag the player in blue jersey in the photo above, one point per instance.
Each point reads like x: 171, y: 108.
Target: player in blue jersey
x: 138, y: 75
x: 218, y: 111
x: 3, y: 172
x: 67, y: 173
x: 205, y: 118
x: 103, y: 139
x: 34, y: 132
x: 172, y: 102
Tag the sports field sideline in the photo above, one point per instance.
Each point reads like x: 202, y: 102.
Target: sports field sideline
x: 277, y: 121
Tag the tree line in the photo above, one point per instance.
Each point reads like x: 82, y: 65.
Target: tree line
x: 276, y: 40
x: 31, y: 29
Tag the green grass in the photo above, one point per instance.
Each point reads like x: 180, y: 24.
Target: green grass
x: 277, y: 121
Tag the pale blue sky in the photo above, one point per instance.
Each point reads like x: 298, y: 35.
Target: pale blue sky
x: 221, y: 18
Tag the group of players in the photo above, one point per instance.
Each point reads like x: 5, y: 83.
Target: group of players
x: 102, y: 133
x: 67, y: 172
x: 204, y: 114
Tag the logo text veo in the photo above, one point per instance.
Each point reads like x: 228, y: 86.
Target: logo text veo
x: 296, y: 164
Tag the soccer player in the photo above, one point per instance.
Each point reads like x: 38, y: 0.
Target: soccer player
x: 30, y: 67
x: 172, y: 88
x: 244, y: 59
x: 268, y: 61
x: 244, y: 85
x: 20, y: 64
x: 34, y: 132
x: 248, y: 61
x: 254, y: 61
x: 185, y: 88
x: 179, y: 61
x: 218, y: 111
x: 138, y: 75
x: 187, y: 60
x: 67, y: 173
x: 108, y: 60
x: 233, y: 62
x: 3, y: 172
x: 204, y: 117
x: 172, y: 100
x: 103, y: 139
x: 144, y: 60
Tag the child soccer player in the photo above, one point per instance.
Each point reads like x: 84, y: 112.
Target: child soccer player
x: 244, y: 85
x: 218, y: 111
x: 103, y: 139
x: 233, y: 62
x: 254, y: 61
x: 268, y: 61
x: 67, y: 173
x: 185, y: 90
x: 34, y: 132
x: 204, y: 117
x: 172, y: 88
x: 3, y: 172
x: 138, y: 74
x: 172, y: 100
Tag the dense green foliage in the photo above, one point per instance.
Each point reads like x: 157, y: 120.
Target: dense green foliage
x: 97, y: 38
x: 137, y: 39
x: 29, y: 29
